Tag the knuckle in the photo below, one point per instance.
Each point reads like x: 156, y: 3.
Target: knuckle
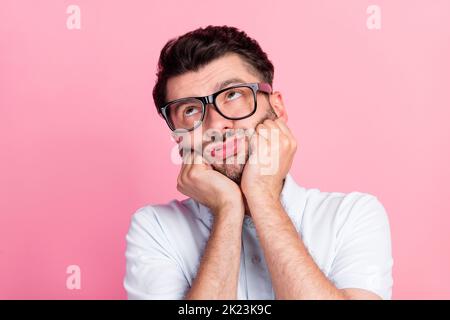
x: 179, y: 181
x: 195, y: 174
x: 191, y: 175
x: 294, y: 144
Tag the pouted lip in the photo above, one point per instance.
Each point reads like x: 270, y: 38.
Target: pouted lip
x: 225, y: 149
x: 212, y: 151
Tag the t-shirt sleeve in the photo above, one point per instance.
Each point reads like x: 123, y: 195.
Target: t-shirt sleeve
x: 364, y: 258
x: 152, y: 271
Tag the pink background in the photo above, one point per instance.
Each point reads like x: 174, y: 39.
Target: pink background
x: 82, y: 147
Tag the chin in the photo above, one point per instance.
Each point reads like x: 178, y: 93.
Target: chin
x: 235, y: 166
x: 232, y: 171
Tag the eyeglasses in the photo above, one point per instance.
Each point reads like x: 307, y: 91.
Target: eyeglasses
x: 234, y: 103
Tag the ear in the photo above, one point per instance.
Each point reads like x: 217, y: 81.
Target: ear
x: 276, y: 100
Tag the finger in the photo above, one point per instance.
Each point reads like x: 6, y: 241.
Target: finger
x: 186, y: 159
x: 270, y: 124
x: 275, y: 131
x: 253, y: 143
x: 262, y: 130
x: 259, y: 146
x: 283, y: 126
x: 199, y: 160
x: 191, y: 161
x: 187, y: 156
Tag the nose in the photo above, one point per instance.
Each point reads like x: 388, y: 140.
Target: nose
x: 214, y: 120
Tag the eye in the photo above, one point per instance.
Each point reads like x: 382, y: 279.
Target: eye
x: 233, y: 95
x: 189, y: 111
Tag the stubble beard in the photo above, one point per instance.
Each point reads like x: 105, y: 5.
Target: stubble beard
x: 233, y: 169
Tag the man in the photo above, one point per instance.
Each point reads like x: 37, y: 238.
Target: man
x: 247, y: 230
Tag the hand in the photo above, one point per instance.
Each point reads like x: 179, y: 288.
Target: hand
x: 274, y: 143
x: 198, y: 180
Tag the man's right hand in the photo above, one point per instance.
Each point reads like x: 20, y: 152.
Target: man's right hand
x: 198, y: 180
x: 218, y: 273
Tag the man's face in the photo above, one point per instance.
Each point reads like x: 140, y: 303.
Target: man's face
x: 223, y: 143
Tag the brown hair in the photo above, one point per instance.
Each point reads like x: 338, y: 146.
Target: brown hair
x: 199, y: 47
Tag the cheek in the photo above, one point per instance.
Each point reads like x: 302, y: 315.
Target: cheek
x: 185, y: 141
x: 262, y: 113
x: 263, y: 106
x: 248, y: 124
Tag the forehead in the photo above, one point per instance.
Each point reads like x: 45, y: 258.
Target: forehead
x: 208, y: 79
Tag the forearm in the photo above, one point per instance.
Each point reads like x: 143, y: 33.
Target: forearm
x: 217, y: 277
x: 294, y: 273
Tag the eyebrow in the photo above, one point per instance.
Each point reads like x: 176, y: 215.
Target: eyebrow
x: 227, y: 82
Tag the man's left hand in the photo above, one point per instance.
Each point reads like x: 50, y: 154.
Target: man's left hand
x: 272, y: 149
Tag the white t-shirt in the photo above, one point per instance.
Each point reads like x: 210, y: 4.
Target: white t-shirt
x: 347, y: 235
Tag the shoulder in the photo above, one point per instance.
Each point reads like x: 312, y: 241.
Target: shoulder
x: 348, y: 233
x: 349, y: 236
x: 331, y: 220
x: 342, y: 208
x: 176, y: 226
x: 173, y: 212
